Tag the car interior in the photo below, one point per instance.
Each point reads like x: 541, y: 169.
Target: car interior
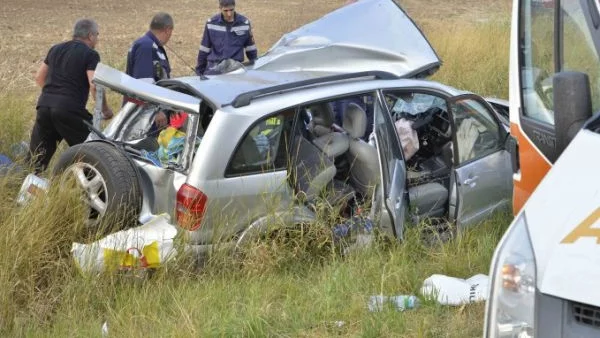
x: 429, y: 168
x: 143, y: 136
x: 336, y: 160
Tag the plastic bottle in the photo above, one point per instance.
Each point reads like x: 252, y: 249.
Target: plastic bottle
x: 403, y: 302
x: 399, y: 302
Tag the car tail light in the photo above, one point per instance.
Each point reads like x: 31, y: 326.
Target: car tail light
x: 190, y: 207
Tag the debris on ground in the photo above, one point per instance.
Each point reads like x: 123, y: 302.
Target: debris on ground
x: 8, y: 163
x: 137, y: 249
x: 32, y: 186
x: 456, y: 291
x: 399, y: 303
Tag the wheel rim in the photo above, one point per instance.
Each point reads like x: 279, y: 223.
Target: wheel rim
x: 93, y: 187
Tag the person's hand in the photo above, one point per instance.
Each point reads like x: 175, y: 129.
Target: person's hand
x: 107, y: 113
x: 161, y: 119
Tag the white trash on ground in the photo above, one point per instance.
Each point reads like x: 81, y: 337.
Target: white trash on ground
x: 455, y: 291
x: 147, y: 246
x: 32, y: 186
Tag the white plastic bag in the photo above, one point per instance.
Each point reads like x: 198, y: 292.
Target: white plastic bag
x: 146, y: 246
x: 408, y: 137
x: 455, y: 291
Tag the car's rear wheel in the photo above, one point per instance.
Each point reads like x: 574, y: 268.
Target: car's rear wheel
x: 108, y: 184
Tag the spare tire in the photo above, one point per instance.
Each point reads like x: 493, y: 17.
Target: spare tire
x: 109, y: 184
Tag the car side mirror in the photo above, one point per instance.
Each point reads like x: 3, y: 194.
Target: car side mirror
x: 572, y: 106
x: 512, y: 146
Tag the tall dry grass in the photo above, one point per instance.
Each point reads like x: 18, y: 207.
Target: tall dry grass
x: 475, y: 55
x: 282, y: 287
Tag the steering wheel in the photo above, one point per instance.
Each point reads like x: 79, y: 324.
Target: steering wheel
x: 441, y: 122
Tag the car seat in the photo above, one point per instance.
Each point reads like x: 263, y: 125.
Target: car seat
x: 312, y: 170
x: 364, y: 162
x: 332, y: 143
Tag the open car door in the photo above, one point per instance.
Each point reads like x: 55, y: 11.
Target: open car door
x: 391, y: 195
x: 482, y: 171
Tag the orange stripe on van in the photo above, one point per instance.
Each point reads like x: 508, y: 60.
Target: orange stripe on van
x: 534, y: 167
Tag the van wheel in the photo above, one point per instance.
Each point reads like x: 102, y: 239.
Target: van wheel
x: 108, y: 184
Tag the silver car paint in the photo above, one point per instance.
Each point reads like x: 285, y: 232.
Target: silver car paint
x: 123, y: 83
x: 482, y: 187
x: 363, y: 36
x: 248, y: 198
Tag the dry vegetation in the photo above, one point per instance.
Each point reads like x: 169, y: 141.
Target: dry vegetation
x: 41, y: 295
x: 30, y: 27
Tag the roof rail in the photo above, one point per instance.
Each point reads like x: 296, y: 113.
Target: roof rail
x: 244, y: 99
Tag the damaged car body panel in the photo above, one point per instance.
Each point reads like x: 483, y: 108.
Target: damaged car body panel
x: 363, y: 36
x: 268, y: 144
x: 159, y: 185
x: 144, y: 91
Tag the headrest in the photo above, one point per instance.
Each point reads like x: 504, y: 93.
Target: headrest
x: 355, y: 120
x: 322, y: 114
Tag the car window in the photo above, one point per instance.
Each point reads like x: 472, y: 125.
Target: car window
x: 264, y: 147
x: 477, y: 132
x: 407, y: 104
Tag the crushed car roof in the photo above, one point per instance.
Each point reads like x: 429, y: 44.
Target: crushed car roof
x: 363, y: 36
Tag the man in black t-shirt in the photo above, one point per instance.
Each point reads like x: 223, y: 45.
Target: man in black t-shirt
x: 66, y: 79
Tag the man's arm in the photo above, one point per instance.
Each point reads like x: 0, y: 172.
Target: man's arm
x: 250, y: 45
x: 205, y: 49
x: 106, y: 111
x: 42, y: 73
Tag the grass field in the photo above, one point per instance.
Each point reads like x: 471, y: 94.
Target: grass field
x: 293, y: 293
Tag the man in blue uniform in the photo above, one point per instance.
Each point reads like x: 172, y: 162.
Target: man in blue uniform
x: 226, y: 36
x: 66, y: 79
x: 147, y: 58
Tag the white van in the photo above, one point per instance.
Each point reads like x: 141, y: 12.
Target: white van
x: 545, y: 274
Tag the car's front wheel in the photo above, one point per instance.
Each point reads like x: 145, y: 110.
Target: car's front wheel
x: 108, y: 184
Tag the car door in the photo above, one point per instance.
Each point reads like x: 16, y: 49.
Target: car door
x: 390, y: 199
x: 482, y: 173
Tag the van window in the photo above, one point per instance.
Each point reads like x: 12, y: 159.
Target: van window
x: 537, y: 60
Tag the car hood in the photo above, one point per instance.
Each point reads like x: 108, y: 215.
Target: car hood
x: 364, y: 36
x: 563, y: 220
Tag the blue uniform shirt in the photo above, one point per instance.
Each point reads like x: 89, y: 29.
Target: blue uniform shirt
x: 147, y: 59
x: 225, y: 40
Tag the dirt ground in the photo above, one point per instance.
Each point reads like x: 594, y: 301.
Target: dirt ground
x: 29, y: 27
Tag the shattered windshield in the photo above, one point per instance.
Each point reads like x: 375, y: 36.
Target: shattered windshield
x: 416, y: 103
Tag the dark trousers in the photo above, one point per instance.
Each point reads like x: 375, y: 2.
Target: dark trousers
x: 52, y: 125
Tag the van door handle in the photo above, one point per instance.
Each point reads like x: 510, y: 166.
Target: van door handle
x: 471, y: 181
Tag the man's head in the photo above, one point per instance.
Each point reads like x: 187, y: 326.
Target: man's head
x: 227, y: 9
x: 162, y: 27
x: 86, y: 30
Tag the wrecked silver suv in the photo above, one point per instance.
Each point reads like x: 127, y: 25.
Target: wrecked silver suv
x: 262, y: 144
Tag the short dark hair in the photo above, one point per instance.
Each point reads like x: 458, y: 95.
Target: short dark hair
x: 84, y: 27
x: 226, y: 3
x: 161, y: 21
